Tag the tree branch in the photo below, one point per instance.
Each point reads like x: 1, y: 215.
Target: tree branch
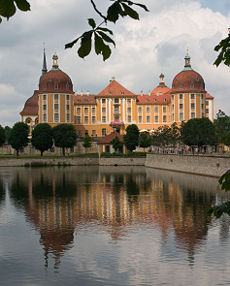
x: 98, y: 12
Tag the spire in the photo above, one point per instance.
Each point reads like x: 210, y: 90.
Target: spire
x: 44, y: 68
x: 55, y: 61
x: 187, y: 59
x: 162, y: 82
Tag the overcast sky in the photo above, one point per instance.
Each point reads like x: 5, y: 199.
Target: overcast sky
x: 157, y: 43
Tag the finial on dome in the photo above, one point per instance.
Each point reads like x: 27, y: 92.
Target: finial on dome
x: 162, y: 82
x: 187, y: 58
x: 55, y: 60
x: 44, y: 68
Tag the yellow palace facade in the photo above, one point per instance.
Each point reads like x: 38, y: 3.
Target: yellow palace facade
x: 115, y: 107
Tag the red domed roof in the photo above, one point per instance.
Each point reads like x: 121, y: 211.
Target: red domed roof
x: 188, y: 81
x: 31, y: 105
x: 55, y: 81
x: 160, y: 90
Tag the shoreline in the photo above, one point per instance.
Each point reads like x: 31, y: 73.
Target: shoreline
x: 204, y: 165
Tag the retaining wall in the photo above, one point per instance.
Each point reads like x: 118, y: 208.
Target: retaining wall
x: 72, y: 161
x: 115, y: 161
x: 199, y: 164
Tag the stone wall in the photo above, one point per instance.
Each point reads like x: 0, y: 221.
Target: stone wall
x: 67, y: 161
x: 72, y: 161
x: 118, y: 161
x: 198, y: 164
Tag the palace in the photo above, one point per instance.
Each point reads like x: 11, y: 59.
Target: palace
x: 115, y: 107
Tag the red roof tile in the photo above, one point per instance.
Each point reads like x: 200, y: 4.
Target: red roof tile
x: 51, y: 78
x: 115, y: 89
x: 154, y: 99
x: 107, y: 139
x: 31, y: 105
x: 188, y: 80
x: 160, y: 90
x: 84, y: 99
x: 209, y: 96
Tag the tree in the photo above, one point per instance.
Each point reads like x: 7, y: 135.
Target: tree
x: 98, y: 32
x: 18, y: 138
x: 87, y: 141
x: 198, y: 132
x: 7, y: 133
x: 175, y: 134
x: 42, y: 137
x: 144, y: 140
x: 222, y: 126
x: 64, y: 136
x: 2, y: 136
x: 131, y: 137
x: 117, y: 144
x: 226, y: 140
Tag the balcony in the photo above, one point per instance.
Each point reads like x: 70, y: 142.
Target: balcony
x: 116, y: 123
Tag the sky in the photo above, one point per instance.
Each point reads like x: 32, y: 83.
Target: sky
x: 144, y: 49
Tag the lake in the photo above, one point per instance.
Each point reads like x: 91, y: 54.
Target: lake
x: 111, y: 226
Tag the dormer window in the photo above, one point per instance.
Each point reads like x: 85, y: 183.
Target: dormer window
x: 56, y: 85
x: 122, y: 92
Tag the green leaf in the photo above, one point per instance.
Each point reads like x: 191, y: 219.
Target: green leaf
x: 92, y: 23
x: 142, y: 6
x: 129, y: 11
x: 98, y: 44
x: 101, y: 47
x: 105, y: 30
x: 106, y: 52
x: 114, y: 11
x: 224, y: 55
x: 70, y: 45
x: 106, y: 38
x: 23, y: 5
x: 85, y: 46
x: 7, y: 8
x: 224, y: 181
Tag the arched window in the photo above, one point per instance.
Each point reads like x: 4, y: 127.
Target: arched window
x: 28, y: 120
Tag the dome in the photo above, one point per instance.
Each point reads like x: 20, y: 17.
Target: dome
x: 188, y: 80
x: 31, y: 105
x: 161, y: 88
x: 55, y: 80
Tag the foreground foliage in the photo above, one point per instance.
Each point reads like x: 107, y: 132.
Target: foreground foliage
x: 219, y: 210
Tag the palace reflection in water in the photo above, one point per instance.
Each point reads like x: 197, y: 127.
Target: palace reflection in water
x: 58, y: 201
